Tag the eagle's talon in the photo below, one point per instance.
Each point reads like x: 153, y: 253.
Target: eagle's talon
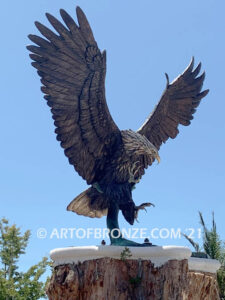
x: 142, y: 206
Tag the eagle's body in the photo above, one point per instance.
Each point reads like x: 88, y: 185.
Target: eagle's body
x: 72, y: 71
x: 122, y: 170
x: 132, y: 156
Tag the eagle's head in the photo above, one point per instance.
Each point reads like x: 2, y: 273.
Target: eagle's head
x: 136, y: 144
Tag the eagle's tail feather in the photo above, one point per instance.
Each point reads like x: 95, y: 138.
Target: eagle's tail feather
x: 90, y: 203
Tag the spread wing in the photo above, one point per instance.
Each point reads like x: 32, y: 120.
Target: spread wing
x: 72, y: 71
x: 176, y: 106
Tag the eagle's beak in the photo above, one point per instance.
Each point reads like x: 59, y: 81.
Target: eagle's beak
x: 158, y: 158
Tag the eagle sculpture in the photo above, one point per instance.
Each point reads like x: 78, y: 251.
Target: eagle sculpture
x: 112, y: 161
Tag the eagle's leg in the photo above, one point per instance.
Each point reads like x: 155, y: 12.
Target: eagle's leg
x: 115, y: 234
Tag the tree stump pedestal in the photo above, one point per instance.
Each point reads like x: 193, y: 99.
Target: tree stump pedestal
x: 109, y: 273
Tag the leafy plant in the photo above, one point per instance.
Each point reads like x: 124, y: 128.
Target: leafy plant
x: 213, y: 248
x: 125, y: 254
x: 15, y: 285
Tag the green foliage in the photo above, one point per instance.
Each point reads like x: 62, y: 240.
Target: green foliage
x: 211, y: 241
x: 125, y: 254
x: 15, y: 285
x: 213, y: 248
x: 221, y: 273
x: 221, y: 281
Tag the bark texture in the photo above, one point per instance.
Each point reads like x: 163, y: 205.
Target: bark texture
x: 112, y: 279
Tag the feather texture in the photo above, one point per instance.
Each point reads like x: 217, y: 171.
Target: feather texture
x: 90, y: 203
x: 72, y: 71
x: 176, y: 106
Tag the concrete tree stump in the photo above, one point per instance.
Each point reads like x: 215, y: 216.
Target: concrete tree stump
x: 108, y: 278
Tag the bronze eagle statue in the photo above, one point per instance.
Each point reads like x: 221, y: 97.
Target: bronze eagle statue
x: 112, y: 161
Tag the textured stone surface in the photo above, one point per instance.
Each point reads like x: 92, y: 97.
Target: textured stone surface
x: 112, y: 279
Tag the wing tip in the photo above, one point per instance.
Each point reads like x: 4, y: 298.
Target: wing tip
x: 37, y: 23
x: 79, y: 10
x: 191, y: 65
x: 62, y: 11
x: 40, y: 26
x: 50, y: 18
x: 80, y: 14
x: 64, y: 14
x: 167, y: 80
x: 69, y: 207
x: 197, y: 70
x: 204, y: 93
x: 33, y: 38
x: 201, y: 77
x: 30, y: 36
x: 30, y: 48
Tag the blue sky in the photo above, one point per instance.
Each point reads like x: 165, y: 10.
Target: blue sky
x: 144, y: 39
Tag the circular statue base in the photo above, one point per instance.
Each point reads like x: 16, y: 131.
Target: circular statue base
x: 110, y: 272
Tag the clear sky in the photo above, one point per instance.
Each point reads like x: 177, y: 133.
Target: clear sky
x: 144, y: 39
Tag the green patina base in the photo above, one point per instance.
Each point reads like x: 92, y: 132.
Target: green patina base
x: 115, y: 234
